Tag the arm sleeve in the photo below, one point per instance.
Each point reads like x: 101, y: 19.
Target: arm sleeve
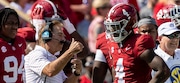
x: 100, y: 56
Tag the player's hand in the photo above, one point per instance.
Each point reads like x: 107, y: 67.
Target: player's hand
x: 67, y: 24
x: 77, y: 65
x: 75, y: 47
x: 61, y: 13
x: 37, y: 13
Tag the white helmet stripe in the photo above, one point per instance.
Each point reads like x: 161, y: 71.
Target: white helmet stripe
x: 55, y: 16
x: 111, y: 10
x: 54, y: 7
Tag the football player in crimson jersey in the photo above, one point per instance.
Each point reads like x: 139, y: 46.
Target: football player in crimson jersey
x: 103, y: 60
x: 132, y: 54
x: 12, y: 48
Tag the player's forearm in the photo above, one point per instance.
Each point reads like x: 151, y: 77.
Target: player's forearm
x: 160, y: 76
x: 162, y: 70
x: 99, y: 72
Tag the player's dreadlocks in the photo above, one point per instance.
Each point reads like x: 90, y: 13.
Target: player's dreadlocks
x: 4, y: 13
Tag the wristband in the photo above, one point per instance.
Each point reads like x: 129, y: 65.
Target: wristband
x: 38, y: 24
x: 69, y: 26
x: 76, y: 74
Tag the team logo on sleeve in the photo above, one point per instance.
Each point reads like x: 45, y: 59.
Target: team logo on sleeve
x: 175, y: 74
x: 3, y: 49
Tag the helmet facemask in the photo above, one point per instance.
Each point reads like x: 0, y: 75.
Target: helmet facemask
x: 176, y: 21
x: 119, y: 22
x: 116, y: 30
x: 175, y: 15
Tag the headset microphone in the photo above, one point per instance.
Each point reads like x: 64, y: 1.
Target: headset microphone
x: 60, y: 41
x: 65, y: 41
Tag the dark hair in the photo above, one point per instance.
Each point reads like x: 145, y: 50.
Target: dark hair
x: 50, y: 29
x: 4, y: 14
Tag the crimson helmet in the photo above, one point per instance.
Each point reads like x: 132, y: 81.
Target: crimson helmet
x: 175, y: 15
x: 50, y: 10
x: 163, y: 15
x: 119, y: 21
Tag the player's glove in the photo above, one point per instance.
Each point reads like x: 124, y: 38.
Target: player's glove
x: 37, y: 20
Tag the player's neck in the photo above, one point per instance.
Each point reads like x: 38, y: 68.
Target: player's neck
x: 7, y: 39
x: 126, y: 38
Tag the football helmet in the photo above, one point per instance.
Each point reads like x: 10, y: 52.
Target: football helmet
x: 119, y: 21
x: 175, y: 15
x: 163, y: 15
x: 50, y: 10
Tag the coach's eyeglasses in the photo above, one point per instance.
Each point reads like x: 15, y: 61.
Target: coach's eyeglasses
x: 173, y: 35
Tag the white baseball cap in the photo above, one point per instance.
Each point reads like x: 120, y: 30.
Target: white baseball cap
x: 167, y: 28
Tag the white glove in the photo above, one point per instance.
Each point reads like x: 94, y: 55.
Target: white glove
x: 38, y: 24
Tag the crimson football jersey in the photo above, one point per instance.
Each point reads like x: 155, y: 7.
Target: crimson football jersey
x: 12, y: 60
x: 129, y: 68
x: 102, y: 44
x: 84, y: 79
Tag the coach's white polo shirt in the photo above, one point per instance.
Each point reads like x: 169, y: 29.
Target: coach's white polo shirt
x: 173, y: 64
x: 35, y: 61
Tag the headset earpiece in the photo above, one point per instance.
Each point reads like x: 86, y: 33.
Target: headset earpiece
x: 47, y: 34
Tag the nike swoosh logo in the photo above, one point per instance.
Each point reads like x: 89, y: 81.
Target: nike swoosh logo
x: 19, y: 45
x: 127, y: 48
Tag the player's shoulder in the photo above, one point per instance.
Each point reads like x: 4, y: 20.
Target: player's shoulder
x: 27, y: 33
x: 144, y: 38
x: 19, y: 39
x: 1, y: 40
x: 101, y: 36
x: 3, y: 45
x: 134, y: 37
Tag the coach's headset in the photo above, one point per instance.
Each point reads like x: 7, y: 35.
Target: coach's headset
x: 47, y: 34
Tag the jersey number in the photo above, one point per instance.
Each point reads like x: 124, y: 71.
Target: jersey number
x: 12, y: 68
x: 119, y: 70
